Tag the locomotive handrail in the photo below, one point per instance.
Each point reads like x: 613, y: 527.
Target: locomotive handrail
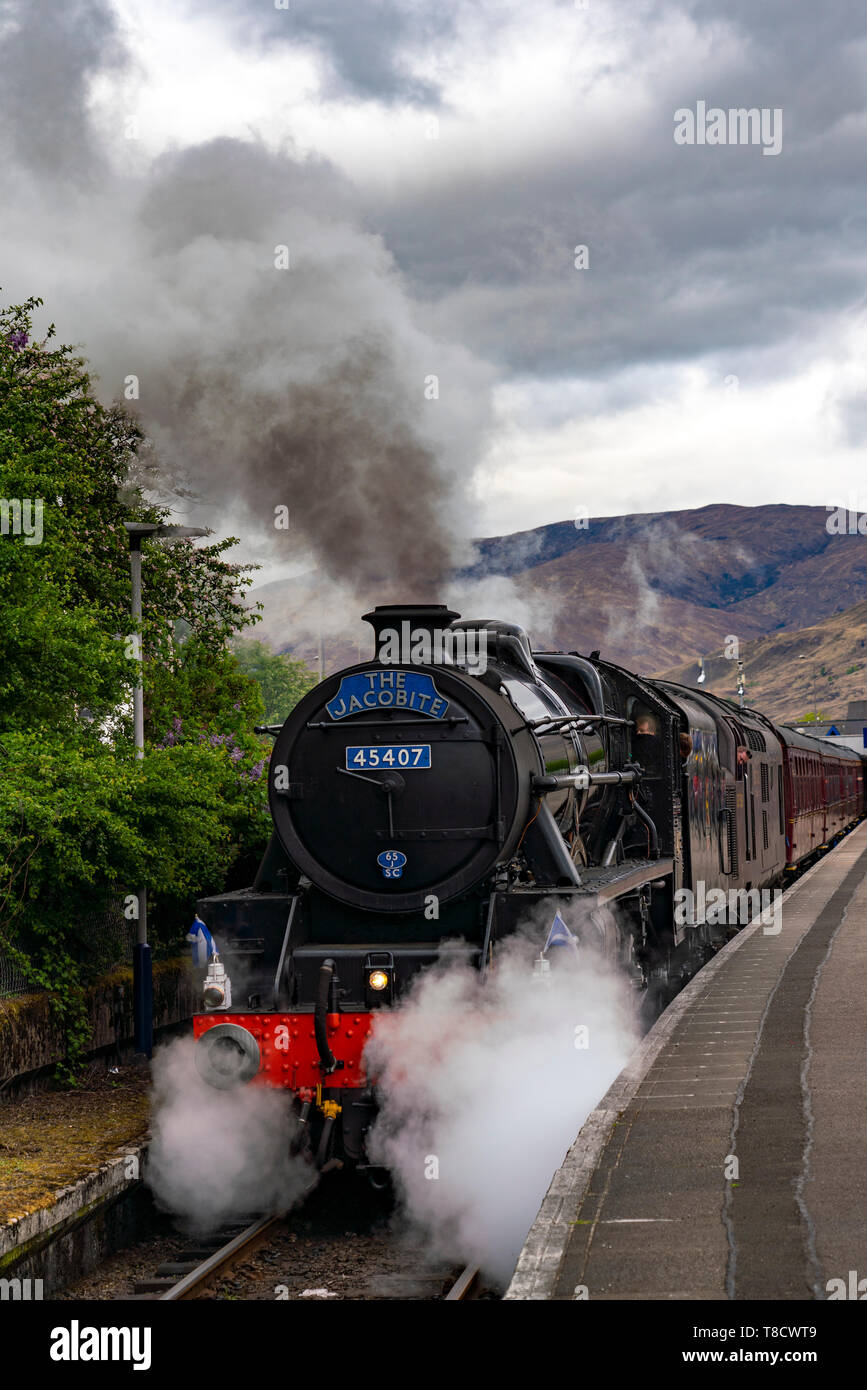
x: 556, y: 719
x: 651, y: 827
x: 383, y: 723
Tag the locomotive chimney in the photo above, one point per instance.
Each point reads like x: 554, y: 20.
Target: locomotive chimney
x: 428, y: 618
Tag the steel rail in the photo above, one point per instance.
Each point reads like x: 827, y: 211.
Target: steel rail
x: 466, y: 1285
x: 247, y: 1240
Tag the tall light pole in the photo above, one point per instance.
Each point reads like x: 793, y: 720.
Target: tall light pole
x: 142, y: 966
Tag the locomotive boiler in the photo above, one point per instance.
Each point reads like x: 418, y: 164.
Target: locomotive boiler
x: 457, y: 788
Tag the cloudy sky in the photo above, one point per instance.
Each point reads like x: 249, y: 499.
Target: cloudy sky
x: 431, y: 170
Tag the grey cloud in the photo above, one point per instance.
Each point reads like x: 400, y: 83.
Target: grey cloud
x: 50, y: 51
x: 851, y: 413
x: 230, y: 189
x: 692, y: 250
x: 366, y: 46
x: 719, y: 254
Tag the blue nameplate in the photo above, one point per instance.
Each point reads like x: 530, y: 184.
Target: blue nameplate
x: 388, y: 689
x: 388, y: 755
x: 392, y: 862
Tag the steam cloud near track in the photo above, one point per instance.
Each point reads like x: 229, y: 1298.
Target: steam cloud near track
x: 216, y: 1154
x: 487, y: 1080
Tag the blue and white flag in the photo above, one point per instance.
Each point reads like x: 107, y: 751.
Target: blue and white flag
x: 204, y: 945
x: 560, y: 935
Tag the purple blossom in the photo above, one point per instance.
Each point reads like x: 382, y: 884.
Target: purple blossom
x: 17, y: 340
x: 236, y: 754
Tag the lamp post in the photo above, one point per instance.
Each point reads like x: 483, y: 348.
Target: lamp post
x: 142, y: 967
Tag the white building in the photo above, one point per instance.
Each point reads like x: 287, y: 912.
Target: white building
x: 851, y: 732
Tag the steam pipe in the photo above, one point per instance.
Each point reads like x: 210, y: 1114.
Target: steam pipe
x: 582, y: 780
x: 301, y: 1138
x: 547, y: 853
x: 324, y: 1142
x: 611, y: 850
x: 654, y: 837
x: 320, y: 1015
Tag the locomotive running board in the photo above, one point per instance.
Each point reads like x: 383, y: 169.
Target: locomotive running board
x: 607, y: 884
x: 509, y: 909
x: 600, y: 886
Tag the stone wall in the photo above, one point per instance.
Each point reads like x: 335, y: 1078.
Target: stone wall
x: 31, y: 1039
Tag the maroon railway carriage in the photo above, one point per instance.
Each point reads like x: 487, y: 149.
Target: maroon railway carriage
x: 824, y: 792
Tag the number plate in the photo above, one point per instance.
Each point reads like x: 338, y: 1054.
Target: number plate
x: 406, y: 756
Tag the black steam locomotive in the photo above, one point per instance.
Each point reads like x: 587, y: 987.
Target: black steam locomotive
x: 458, y: 786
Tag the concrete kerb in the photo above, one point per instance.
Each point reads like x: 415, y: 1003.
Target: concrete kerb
x: 536, y: 1272
x: 27, y: 1235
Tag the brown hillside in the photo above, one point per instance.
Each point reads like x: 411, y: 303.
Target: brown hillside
x: 780, y: 683
x: 654, y: 592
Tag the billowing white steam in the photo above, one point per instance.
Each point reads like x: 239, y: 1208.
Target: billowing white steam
x: 484, y: 1085
x: 218, y: 1154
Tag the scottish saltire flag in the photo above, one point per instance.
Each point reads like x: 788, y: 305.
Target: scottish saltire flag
x: 560, y: 935
x: 204, y: 945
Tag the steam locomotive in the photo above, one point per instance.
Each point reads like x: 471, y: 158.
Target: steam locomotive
x: 460, y: 785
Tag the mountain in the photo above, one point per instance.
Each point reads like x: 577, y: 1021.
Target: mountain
x: 644, y: 586
x: 654, y: 592
x: 789, y: 674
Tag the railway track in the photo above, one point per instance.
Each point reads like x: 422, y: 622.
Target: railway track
x: 196, y: 1269
x: 190, y: 1273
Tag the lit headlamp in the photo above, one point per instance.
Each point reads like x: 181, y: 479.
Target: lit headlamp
x: 378, y: 972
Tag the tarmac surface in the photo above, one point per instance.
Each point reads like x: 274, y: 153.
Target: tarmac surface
x: 727, y: 1160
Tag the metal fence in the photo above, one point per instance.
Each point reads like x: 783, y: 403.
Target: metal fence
x: 101, y: 940
x: 13, y: 980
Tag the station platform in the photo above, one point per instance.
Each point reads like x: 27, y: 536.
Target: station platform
x: 52, y: 1139
x: 726, y: 1161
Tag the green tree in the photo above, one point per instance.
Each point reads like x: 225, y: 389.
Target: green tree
x: 80, y: 816
x: 281, y: 680
x: 66, y: 595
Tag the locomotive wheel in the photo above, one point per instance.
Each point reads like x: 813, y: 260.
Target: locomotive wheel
x: 380, y: 1180
x: 606, y: 937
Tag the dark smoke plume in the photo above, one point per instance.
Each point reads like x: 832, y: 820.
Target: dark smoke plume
x: 303, y: 390
x: 359, y: 475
